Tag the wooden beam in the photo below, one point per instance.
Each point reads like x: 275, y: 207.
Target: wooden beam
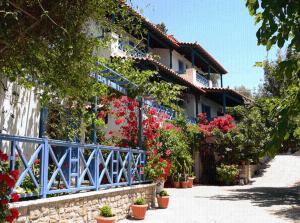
x: 171, y: 58
x: 221, y: 80
x: 207, y: 63
x: 224, y: 103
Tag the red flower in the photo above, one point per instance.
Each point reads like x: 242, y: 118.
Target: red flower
x: 14, y: 212
x: 119, y: 121
x: 37, y: 161
x: 168, y: 152
x: 9, y: 218
x: 15, y: 174
x: 8, y: 180
x: 140, y: 166
x: 4, y: 202
x: 3, y: 156
x: 101, y: 115
x: 15, y: 197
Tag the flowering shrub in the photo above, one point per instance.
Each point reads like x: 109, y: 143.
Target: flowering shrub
x: 227, y: 174
x: 7, y: 182
x: 125, y: 111
x: 223, y: 124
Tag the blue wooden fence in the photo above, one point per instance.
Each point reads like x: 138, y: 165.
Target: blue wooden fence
x: 68, y: 167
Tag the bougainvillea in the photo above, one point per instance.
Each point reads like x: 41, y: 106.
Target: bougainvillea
x: 125, y: 112
x: 223, y: 123
x: 7, y: 182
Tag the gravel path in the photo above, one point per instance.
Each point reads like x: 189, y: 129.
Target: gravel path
x: 273, y: 197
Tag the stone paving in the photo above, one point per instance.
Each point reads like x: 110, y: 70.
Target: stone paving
x: 273, y: 197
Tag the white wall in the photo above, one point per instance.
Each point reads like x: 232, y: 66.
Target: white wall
x: 189, y: 105
x: 20, y: 111
x: 175, y: 57
x: 213, y: 105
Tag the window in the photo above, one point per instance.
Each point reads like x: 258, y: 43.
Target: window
x: 206, y: 109
x: 181, y: 67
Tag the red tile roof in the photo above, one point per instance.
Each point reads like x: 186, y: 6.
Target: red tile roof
x: 207, y: 55
x: 225, y: 90
x: 177, y: 44
x: 167, y: 70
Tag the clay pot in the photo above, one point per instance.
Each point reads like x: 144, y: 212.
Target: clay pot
x: 176, y: 184
x: 139, y: 211
x: 163, y: 201
x: 190, y: 182
x: 101, y: 219
x: 184, y: 184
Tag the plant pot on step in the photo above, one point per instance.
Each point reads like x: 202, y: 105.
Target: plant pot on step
x: 106, y: 215
x: 139, y: 209
x: 163, y: 199
x: 176, y: 184
x: 184, y: 184
x: 101, y: 219
x: 190, y: 182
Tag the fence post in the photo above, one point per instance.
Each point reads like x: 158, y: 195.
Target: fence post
x: 97, y: 167
x: 129, y: 167
x: 12, y: 158
x: 45, y: 168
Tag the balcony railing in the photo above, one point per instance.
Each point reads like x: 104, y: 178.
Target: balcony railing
x: 160, y: 108
x: 131, y: 50
x: 201, y: 79
x: 54, y: 167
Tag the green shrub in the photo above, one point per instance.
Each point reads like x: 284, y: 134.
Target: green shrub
x: 106, y: 211
x: 140, y: 201
x: 227, y: 174
x: 163, y: 193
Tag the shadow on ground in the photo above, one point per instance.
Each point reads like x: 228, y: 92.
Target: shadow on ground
x: 268, y: 197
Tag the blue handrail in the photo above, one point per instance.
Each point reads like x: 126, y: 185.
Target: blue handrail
x: 130, y: 50
x: 69, y: 167
x: 201, y: 79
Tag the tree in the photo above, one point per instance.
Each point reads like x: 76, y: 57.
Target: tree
x: 44, y: 44
x: 279, y: 25
x: 162, y: 26
x: 244, y: 91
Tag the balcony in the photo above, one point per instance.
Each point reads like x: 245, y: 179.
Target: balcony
x: 130, y: 49
x: 202, y: 80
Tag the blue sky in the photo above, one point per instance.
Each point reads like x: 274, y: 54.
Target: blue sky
x: 223, y: 27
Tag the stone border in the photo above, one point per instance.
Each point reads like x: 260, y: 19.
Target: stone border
x: 84, y: 206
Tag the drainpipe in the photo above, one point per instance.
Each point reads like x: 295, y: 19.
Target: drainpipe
x: 140, y: 123
x: 221, y: 80
x: 171, y: 57
x: 196, y: 103
x: 193, y: 58
x: 43, y: 122
x: 224, y: 103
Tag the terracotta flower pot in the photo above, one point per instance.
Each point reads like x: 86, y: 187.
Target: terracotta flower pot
x: 101, y: 219
x: 139, y: 211
x: 176, y: 184
x: 163, y: 201
x: 184, y: 184
x: 190, y: 182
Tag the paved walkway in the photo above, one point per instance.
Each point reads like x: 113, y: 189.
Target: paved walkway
x: 273, y: 197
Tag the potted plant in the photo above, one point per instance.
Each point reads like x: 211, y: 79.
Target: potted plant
x: 184, y: 182
x: 191, y: 179
x: 163, y: 199
x: 106, y: 215
x: 139, y: 208
x: 158, y: 169
x: 176, y: 178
